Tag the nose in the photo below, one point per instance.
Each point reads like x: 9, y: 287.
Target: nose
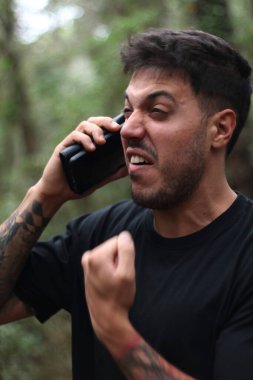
x: 133, y: 128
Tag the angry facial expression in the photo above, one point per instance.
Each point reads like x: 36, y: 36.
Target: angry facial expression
x: 164, y: 139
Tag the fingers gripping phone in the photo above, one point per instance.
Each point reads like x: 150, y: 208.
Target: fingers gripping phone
x: 84, y: 169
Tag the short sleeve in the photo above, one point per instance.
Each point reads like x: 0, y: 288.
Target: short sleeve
x: 46, y: 281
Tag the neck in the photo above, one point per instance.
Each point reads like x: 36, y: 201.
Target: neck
x: 193, y: 214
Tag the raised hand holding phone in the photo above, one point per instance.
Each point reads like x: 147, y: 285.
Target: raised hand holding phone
x: 85, y: 170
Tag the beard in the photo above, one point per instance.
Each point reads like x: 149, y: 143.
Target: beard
x: 179, y: 179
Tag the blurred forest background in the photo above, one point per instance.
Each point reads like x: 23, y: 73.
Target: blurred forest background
x: 48, y: 84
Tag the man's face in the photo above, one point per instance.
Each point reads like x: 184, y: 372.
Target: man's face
x: 164, y: 139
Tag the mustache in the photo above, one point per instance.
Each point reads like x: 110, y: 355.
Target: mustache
x: 142, y: 145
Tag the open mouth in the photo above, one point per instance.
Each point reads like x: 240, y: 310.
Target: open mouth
x: 138, y: 160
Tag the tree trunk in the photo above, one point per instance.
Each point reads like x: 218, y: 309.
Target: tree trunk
x: 18, y: 95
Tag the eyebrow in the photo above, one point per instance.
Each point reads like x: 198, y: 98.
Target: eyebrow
x: 156, y: 94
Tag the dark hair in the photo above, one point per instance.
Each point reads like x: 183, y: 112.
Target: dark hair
x: 218, y: 74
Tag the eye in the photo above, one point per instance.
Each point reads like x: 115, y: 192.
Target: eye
x: 127, y: 112
x: 158, y: 110
x: 159, y: 113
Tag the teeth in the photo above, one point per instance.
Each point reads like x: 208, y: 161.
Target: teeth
x: 137, y: 160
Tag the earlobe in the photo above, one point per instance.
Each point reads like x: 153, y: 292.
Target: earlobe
x: 224, y: 123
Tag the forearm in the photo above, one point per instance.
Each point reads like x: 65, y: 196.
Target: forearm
x: 141, y: 362
x: 18, y: 234
x: 135, y: 357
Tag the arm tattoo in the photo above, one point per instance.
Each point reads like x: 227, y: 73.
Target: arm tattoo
x: 143, y: 363
x: 17, y: 236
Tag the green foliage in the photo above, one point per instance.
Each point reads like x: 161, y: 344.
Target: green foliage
x: 18, y: 342
x: 24, y: 350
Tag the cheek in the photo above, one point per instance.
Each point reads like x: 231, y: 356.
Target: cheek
x: 171, y: 147
x: 181, y: 148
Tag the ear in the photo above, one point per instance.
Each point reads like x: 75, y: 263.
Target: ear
x: 223, y: 124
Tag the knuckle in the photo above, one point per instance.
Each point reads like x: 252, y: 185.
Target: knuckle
x: 125, y: 278
x: 81, y: 125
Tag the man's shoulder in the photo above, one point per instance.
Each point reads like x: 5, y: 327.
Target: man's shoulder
x: 244, y: 207
x: 239, y: 237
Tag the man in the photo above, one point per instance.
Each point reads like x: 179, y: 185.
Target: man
x: 168, y: 277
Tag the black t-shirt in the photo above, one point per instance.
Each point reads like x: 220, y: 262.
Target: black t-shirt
x: 194, y: 295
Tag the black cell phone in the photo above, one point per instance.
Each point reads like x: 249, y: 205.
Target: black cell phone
x: 84, y: 169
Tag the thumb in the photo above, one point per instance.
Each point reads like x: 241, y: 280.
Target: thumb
x: 126, y: 252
